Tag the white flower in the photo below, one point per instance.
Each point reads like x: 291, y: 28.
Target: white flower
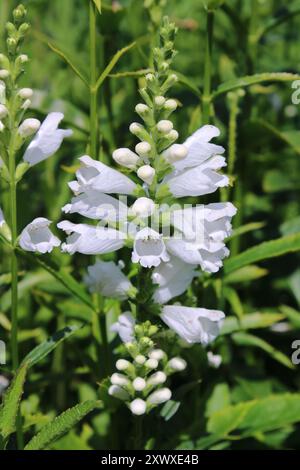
x: 126, y: 157
x: 90, y: 240
x: 138, y: 407
x: 146, y: 173
x: 119, y: 379
x: 139, y: 384
x: 204, y: 229
x: 122, y: 364
x: 177, y: 364
x: 157, y: 378
x: 96, y: 205
x: 143, y: 207
x: 173, y: 279
x: 164, y: 126
x: 157, y: 354
x: 124, y: 327
x: 175, y: 153
x: 2, y: 220
x: 106, y: 278
x: 151, y: 363
x: 194, y: 325
x: 214, y: 360
x: 25, y: 93
x: 37, y: 237
x: 159, y: 396
x: 149, y: 249
x: 47, y: 141
x: 29, y: 127
x: 170, y: 105
x: 143, y: 148
x: 97, y: 176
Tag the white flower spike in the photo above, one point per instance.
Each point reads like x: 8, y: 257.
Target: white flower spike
x: 47, y: 141
x: 194, y: 325
x: 106, y: 278
x: 38, y: 238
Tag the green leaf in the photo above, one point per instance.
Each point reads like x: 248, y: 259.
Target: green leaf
x: 245, y: 229
x: 292, y: 315
x: 245, y: 274
x: 69, y: 61
x: 266, y: 250
x: 10, y: 405
x: 111, y: 64
x: 219, y: 399
x: 169, y: 409
x: 249, y: 80
x: 262, y: 415
x: 250, y: 321
x: 290, y: 137
x: 43, y: 349
x: 61, y: 425
x: 233, y: 298
x: 98, y: 5
x: 245, y: 339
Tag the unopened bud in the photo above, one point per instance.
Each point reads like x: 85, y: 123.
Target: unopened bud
x: 140, y: 359
x: 177, y: 364
x: 157, y: 378
x: 175, y: 153
x: 118, y: 392
x: 143, y: 148
x: 125, y: 157
x: 119, y: 379
x: 170, y: 105
x: 23, y: 58
x: 151, y: 364
x: 157, y: 354
x: 142, y: 109
x: 160, y: 396
x: 25, y: 93
x: 4, y: 74
x: 146, y: 173
x: 159, y: 101
x: 3, y: 111
x: 139, y: 384
x: 26, y: 104
x: 29, y: 127
x: 24, y: 28
x: 143, y: 207
x: 122, y: 364
x: 1, y: 126
x: 164, y: 126
x: 138, y: 407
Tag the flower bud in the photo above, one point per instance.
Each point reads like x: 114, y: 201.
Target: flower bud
x: 140, y: 359
x: 146, y: 173
x: 11, y: 45
x: 125, y: 157
x: 26, y: 104
x: 164, y: 126
x: 119, y: 379
x: 122, y: 364
x: 3, y: 111
x: 159, y: 397
x: 170, y: 81
x: 214, y: 360
x: 151, y: 363
x: 138, y: 407
x: 177, y: 364
x: 143, y: 148
x: 150, y: 77
x: 4, y: 74
x: 142, y: 109
x: 175, y: 153
x: 160, y: 101
x: 157, y: 378
x: 143, y: 207
x: 25, y: 93
x: 29, y: 127
x: 23, y: 58
x: 173, y: 135
x: 139, y: 384
x: 24, y: 28
x: 118, y: 392
x: 170, y: 105
x: 19, y: 13
x: 139, y: 131
x: 157, y: 354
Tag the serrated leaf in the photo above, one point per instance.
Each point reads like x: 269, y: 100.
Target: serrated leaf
x: 43, y: 349
x: 266, y: 250
x: 11, y: 401
x: 250, y: 321
x: 61, y: 425
x: 69, y: 61
x: 112, y: 63
x: 249, y: 80
x: 246, y: 339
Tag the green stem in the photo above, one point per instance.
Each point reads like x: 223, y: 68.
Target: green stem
x: 94, y: 125
x: 206, y: 99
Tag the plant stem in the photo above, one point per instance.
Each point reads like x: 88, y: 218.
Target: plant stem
x: 94, y: 125
x: 206, y: 99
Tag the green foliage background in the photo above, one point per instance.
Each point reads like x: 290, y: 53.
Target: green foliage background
x: 252, y: 400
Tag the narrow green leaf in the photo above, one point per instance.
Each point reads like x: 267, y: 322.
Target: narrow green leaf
x: 134, y: 73
x: 245, y: 229
x: 290, y: 137
x: 61, y: 425
x: 10, y: 405
x: 249, y: 80
x: 170, y: 409
x: 292, y: 315
x: 245, y: 339
x: 266, y: 250
x: 233, y: 298
x: 43, y: 349
x: 111, y: 64
x: 67, y: 59
x: 245, y: 274
x: 250, y: 321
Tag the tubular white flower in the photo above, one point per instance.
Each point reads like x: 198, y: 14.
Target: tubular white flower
x: 25, y: 93
x: 214, y: 360
x: 175, y: 153
x: 143, y: 148
x: 3, y: 111
x: 94, y: 175
x: 138, y: 407
x: 37, y: 237
x: 47, y: 141
x: 29, y: 127
x: 98, y: 206
x: 177, y: 364
x: 124, y: 327
x: 119, y: 379
x: 173, y: 278
x: 157, y: 378
x: 126, y: 157
x: 139, y: 384
x: 106, y: 278
x: 204, y: 230
x: 146, y: 173
x: 90, y: 240
x: 194, y: 325
x: 164, y: 126
x: 143, y: 207
x: 122, y: 364
x: 149, y: 248
x: 118, y: 392
x: 159, y: 396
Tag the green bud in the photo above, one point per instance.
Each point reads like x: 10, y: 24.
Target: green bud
x: 19, y: 13
x: 11, y: 29
x: 24, y: 28
x: 170, y: 81
x: 152, y: 330
x: 12, y: 44
x: 21, y: 170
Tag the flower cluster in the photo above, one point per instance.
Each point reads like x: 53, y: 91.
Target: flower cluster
x: 141, y: 381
